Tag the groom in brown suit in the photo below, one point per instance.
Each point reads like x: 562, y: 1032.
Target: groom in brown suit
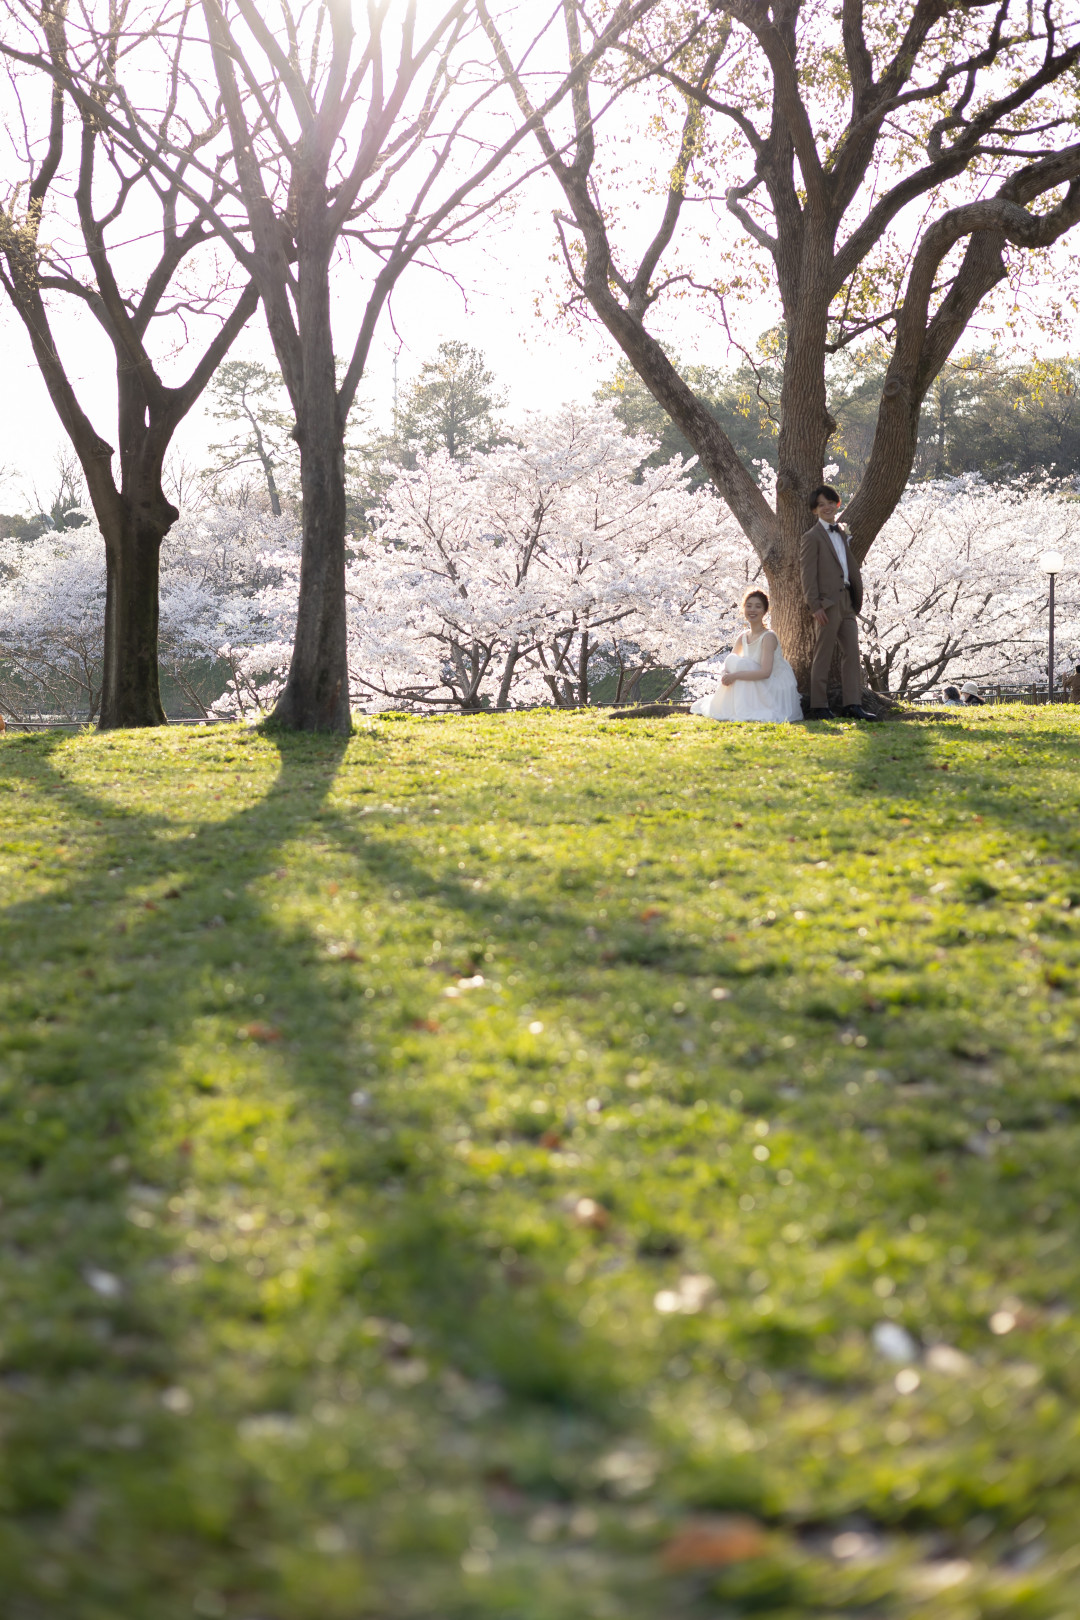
x: 832, y: 586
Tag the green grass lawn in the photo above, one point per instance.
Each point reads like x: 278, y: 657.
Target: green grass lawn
x: 439, y: 1169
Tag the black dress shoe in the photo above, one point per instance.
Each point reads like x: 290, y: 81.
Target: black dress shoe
x: 820, y: 714
x: 855, y: 711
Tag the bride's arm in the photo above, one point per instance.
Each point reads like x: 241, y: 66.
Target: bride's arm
x: 768, y: 648
x: 727, y: 678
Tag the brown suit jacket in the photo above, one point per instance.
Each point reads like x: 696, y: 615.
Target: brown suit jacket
x: 822, y: 576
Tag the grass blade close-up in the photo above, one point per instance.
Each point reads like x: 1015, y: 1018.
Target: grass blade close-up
x: 538, y: 1167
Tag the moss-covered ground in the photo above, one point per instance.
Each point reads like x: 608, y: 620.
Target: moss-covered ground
x: 444, y: 1171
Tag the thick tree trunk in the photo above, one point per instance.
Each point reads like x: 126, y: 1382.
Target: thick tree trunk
x: 316, y: 694
x: 805, y: 429
x: 130, y: 694
x: 789, y: 616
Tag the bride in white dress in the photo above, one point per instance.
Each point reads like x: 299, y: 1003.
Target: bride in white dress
x: 758, y: 683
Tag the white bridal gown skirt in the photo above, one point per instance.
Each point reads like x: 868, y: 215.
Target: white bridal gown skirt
x: 776, y: 699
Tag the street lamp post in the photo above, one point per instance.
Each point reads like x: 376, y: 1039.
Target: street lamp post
x: 1051, y: 562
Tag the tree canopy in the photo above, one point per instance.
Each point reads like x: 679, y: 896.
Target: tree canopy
x: 452, y: 404
x: 249, y: 395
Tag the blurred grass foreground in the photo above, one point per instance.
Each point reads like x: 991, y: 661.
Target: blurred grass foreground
x: 541, y: 1168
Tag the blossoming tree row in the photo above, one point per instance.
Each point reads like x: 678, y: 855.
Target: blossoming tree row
x: 555, y: 569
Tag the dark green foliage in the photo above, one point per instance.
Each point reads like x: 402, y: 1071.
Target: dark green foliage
x: 251, y: 398
x: 738, y: 400
x: 983, y: 414
x: 452, y: 405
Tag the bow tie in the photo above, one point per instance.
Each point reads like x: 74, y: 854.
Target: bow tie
x: 834, y: 528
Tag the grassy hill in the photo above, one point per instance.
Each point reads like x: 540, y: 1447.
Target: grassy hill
x: 541, y: 1168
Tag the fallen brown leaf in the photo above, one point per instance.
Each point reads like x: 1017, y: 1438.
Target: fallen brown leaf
x: 259, y: 1032
x: 504, y: 1495
x: 712, y: 1543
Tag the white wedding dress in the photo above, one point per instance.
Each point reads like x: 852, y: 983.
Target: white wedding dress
x: 775, y: 699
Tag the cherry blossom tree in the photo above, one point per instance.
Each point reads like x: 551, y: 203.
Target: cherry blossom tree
x: 228, y: 594
x: 530, y: 576
x: 52, y: 601
x: 531, y: 571
x: 954, y: 590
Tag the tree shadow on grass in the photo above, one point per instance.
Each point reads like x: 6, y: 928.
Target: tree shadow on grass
x: 102, y: 1125
x: 131, y: 1141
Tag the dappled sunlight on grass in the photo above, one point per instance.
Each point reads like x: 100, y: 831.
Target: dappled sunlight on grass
x: 438, y: 1167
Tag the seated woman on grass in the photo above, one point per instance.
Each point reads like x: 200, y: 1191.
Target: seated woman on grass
x: 758, y: 683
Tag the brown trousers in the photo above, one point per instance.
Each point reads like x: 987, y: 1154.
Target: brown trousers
x: 843, y: 627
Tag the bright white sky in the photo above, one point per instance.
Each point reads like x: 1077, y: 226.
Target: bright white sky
x: 540, y: 359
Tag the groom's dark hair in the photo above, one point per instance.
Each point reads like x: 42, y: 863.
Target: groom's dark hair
x: 829, y: 493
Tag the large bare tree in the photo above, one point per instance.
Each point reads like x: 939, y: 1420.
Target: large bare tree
x: 390, y: 139
x: 91, y: 227
x: 871, y: 168
x: 353, y: 148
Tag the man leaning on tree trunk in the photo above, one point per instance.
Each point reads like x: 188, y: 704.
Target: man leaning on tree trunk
x: 832, y: 586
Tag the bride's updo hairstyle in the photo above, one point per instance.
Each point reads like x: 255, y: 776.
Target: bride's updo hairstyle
x: 754, y: 590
